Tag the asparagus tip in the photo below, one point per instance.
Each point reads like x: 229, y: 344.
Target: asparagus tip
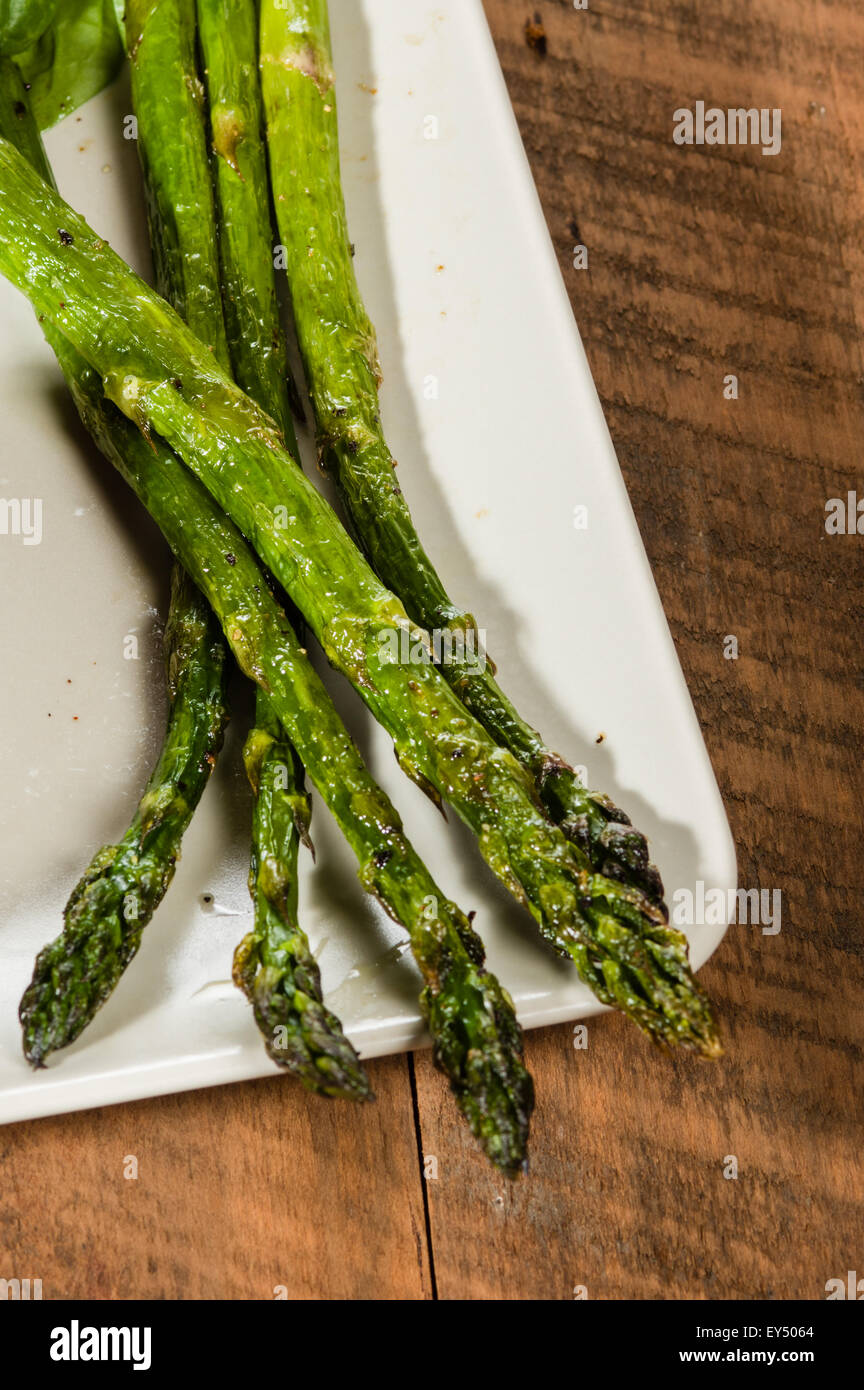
x: 300, y: 1033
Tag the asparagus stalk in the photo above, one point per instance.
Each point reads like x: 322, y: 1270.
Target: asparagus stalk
x: 337, y: 344
x: 124, y: 883
x: 228, y: 35
x: 274, y: 964
x: 168, y: 98
x: 162, y: 378
x: 274, y: 960
x: 476, y: 1038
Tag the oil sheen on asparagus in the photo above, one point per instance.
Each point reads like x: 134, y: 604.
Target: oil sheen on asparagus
x: 165, y: 381
x: 338, y: 346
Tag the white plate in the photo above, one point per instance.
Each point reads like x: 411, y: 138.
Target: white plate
x: 459, y: 275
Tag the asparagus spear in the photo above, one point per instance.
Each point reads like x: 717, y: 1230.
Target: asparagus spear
x: 274, y: 965
x: 337, y: 343
x: 168, y: 98
x: 124, y: 883
x: 476, y: 1038
x: 228, y: 35
x: 273, y: 960
x: 162, y: 378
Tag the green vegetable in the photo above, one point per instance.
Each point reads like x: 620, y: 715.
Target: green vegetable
x: 228, y: 32
x: 22, y: 22
x: 337, y: 343
x: 75, y: 56
x: 470, y: 1016
x: 274, y: 965
x: 168, y: 98
x: 269, y: 954
x: 125, y: 883
x: 162, y: 378
x: 476, y: 1037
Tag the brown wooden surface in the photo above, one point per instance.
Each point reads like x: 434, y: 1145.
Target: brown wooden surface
x: 702, y: 262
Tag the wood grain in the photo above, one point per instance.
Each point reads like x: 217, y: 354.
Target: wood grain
x: 702, y: 262
x: 241, y: 1191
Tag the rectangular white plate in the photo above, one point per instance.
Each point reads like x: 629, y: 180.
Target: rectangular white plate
x: 491, y: 411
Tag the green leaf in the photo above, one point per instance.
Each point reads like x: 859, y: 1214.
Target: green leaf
x: 77, y: 55
x: 22, y: 22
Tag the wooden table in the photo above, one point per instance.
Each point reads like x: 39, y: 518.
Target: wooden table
x: 703, y: 262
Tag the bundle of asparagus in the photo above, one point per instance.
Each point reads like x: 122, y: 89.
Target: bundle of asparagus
x: 214, y: 458
x: 337, y: 341
x: 275, y: 966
